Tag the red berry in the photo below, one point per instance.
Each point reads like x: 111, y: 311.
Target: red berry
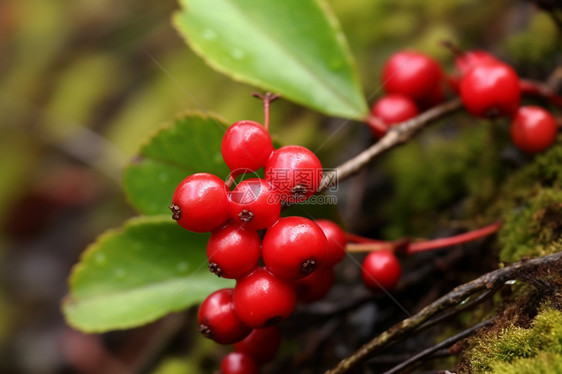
x: 533, y: 129
x: 294, y: 247
x: 246, y: 146
x: 238, y: 363
x: 315, y: 286
x: 490, y: 90
x: 381, y: 270
x: 470, y: 59
x: 200, y: 203
x: 392, y: 109
x: 233, y: 252
x: 412, y: 74
x: 261, y: 299
x: 255, y: 204
x: 217, y: 319
x: 261, y: 345
x: 294, y: 172
x: 335, y: 249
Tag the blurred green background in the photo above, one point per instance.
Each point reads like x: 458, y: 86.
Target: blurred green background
x: 83, y: 83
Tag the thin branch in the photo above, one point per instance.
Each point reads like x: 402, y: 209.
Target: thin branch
x: 397, y: 135
x: 452, y: 299
x: 445, y: 343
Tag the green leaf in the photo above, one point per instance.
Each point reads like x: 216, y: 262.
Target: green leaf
x: 137, y: 274
x: 191, y: 144
x: 291, y: 47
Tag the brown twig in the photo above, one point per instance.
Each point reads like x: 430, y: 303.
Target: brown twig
x: 397, y: 135
x: 445, y: 343
x: 453, y: 298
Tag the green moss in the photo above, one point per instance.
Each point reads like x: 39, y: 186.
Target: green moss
x: 513, y: 349
x: 436, y: 171
x: 534, y: 229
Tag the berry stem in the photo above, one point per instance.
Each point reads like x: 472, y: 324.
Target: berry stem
x: 535, y: 88
x: 453, y: 240
x: 409, y: 248
x: 349, y: 237
x: 267, y: 99
x: 452, y: 47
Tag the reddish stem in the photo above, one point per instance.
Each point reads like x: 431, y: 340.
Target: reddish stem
x: 349, y: 237
x: 453, y: 240
x: 530, y: 87
x: 407, y: 247
x: 267, y: 99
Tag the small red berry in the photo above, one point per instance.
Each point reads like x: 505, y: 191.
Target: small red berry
x: 246, y: 146
x: 490, y: 90
x: 261, y: 344
x: 255, y: 204
x: 261, y: 299
x: 412, y: 74
x: 466, y: 61
x: 218, y: 321
x: 533, y: 129
x: 392, y: 109
x: 233, y: 252
x: 381, y: 270
x: 238, y: 363
x: 335, y: 249
x: 294, y: 247
x: 315, y: 286
x: 294, y: 172
x: 200, y: 203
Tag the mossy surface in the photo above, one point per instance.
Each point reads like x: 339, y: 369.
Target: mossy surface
x: 516, y: 349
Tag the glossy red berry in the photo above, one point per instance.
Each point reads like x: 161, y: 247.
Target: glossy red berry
x: 381, y: 270
x: 261, y: 299
x: 335, y: 236
x: 294, y: 172
x: 262, y: 344
x: 294, y: 247
x: 315, y: 286
x: 412, y: 74
x: 232, y: 251
x: 533, y: 129
x: 218, y: 321
x: 392, y: 109
x: 200, y: 203
x: 238, y: 363
x: 246, y: 146
x: 255, y: 205
x: 490, y: 90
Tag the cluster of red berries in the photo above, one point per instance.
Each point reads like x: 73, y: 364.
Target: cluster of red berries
x: 488, y: 88
x: 297, y: 253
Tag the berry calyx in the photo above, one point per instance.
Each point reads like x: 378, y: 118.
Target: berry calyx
x: 392, y: 109
x: 255, y: 204
x: 412, y: 74
x: 294, y: 172
x: 261, y: 299
x: 294, y: 247
x: 233, y: 252
x: 246, y: 147
x: 200, y: 203
x: 381, y: 270
x: 335, y: 245
x: 490, y: 90
x: 238, y: 363
x: 217, y: 319
x: 315, y: 286
x: 533, y: 129
x: 262, y: 344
